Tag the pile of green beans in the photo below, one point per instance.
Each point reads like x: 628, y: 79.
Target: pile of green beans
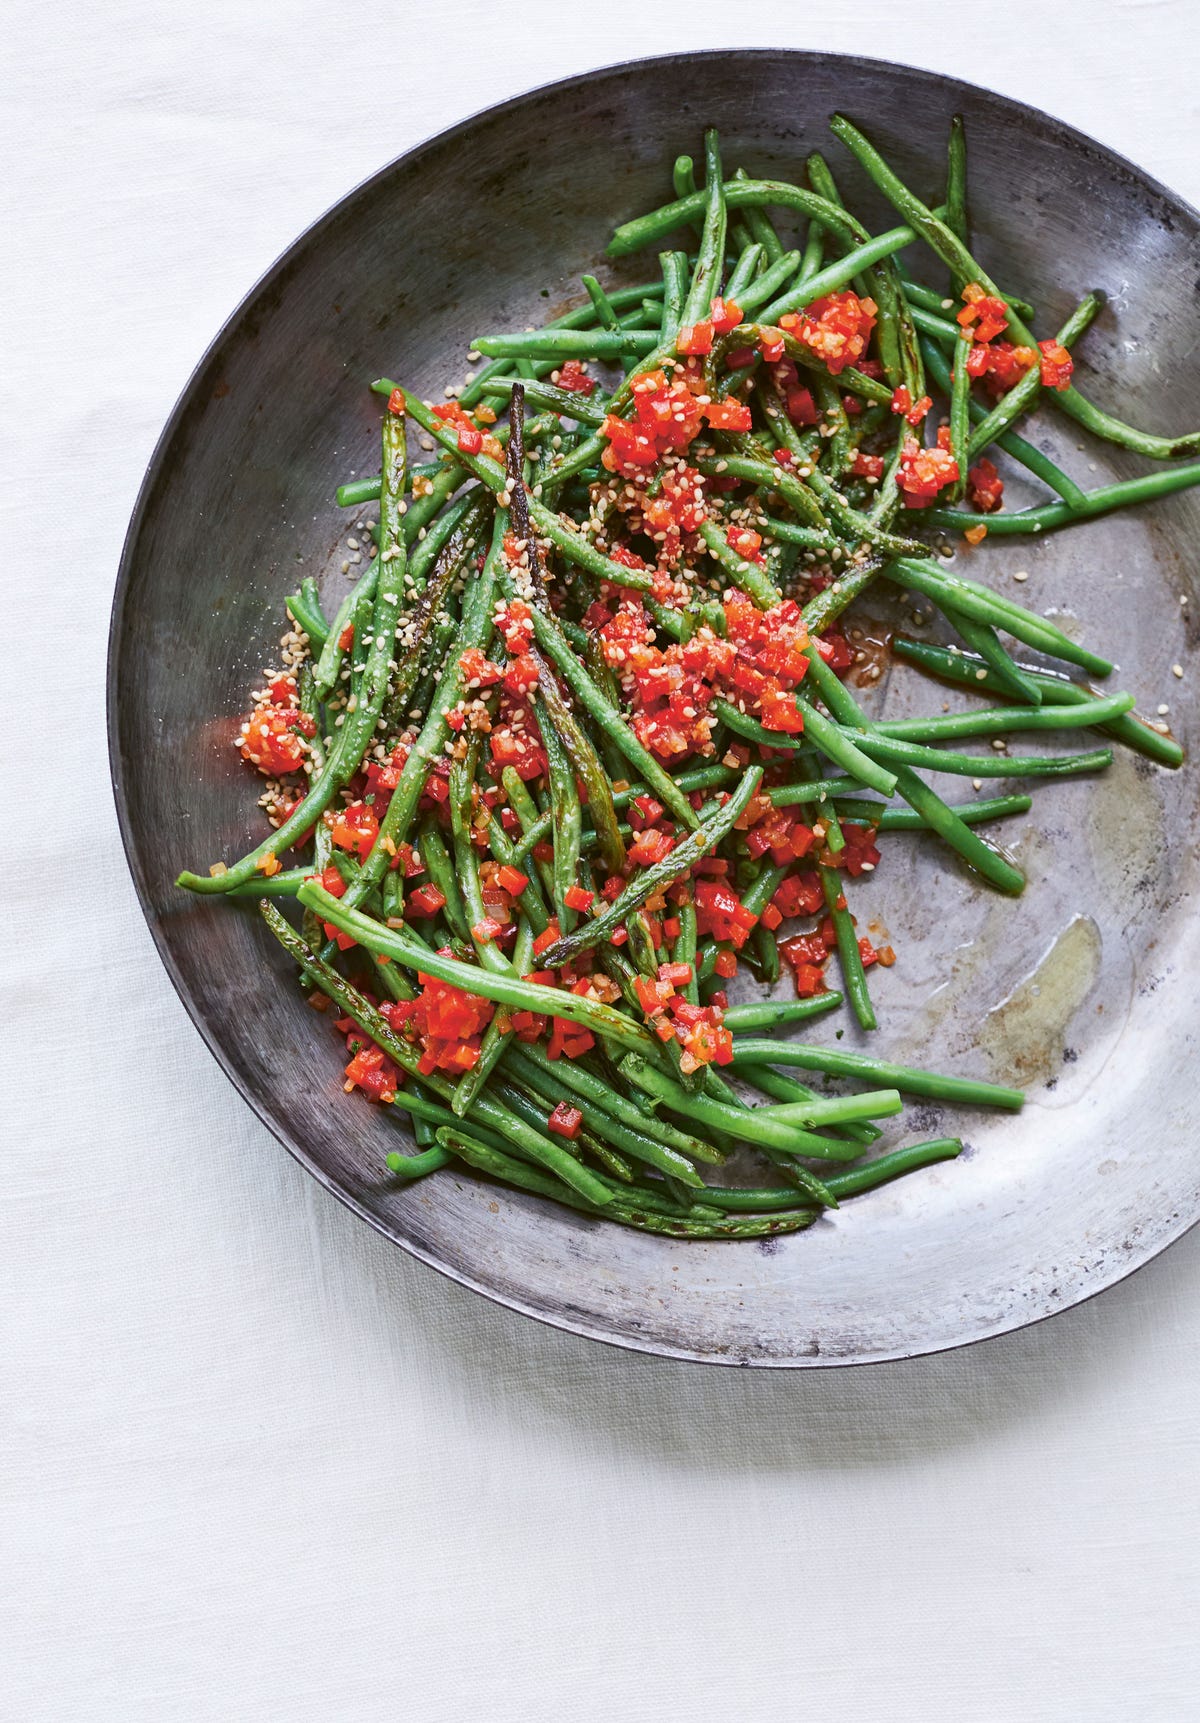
x: 464, y: 778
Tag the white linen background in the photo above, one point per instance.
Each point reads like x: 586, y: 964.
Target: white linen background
x: 254, y: 1462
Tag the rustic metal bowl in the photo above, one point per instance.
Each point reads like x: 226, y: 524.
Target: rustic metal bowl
x: 1085, y: 990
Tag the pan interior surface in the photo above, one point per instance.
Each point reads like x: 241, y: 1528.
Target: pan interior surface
x: 1084, y: 991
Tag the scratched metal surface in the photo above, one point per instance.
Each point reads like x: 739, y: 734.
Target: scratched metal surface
x: 1084, y: 991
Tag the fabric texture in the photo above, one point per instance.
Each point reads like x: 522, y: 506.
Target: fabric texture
x: 254, y: 1462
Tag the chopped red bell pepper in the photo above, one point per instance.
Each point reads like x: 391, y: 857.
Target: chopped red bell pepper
x: 426, y: 900
x: 565, y: 1121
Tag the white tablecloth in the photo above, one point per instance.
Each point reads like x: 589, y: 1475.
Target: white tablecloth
x: 255, y: 1463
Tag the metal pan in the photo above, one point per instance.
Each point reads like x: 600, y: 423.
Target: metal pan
x: 1085, y: 991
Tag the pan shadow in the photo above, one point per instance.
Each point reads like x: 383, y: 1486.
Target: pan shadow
x: 517, y: 1371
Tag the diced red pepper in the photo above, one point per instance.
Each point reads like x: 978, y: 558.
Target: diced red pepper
x: 695, y: 337
x: 546, y: 938
x: 470, y: 441
x: 565, y: 1121
x: 372, y: 1072
x: 728, y: 415
x: 270, y: 741
x: 475, y: 668
x: 867, y: 466
x: 511, y: 879
x: 569, y: 1040
x: 575, y: 897
x: 396, y: 401
x: 985, y: 487
x: 745, y: 542
x: 426, y: 900
x: 677, y: 974
x: 355, y: 829
x: 925, y: 472
x: 1057, y: 365
x: 903, y: 403
x: 987, y: 313
x: 573, y: 377
x: 726, y: 314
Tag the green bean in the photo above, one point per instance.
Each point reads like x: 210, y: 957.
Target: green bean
x: 752, y: 297
x: 829, y: 737
x: 444, y: 875
x: 909, y: 820
x: 674, y: 266
x: 582, y: 1082
x: 744, y: 271
x: 858, y: 1134
x: 835, y: 276
x: 304, y: 607
x: 840, y: 1062
x: 553, y: 643
x: 606, y: 314
x: 771, y: 1013
x: 853, y: 1182
x: 956, y: 181
x: 868, y: 1177
x: 960, y: 410
x: 1134, y: 732
x: 746, y: 575
x: 686, y: 853
x: 569, y: 402
x: 984, y: 640
x: 567, y: 343
x: 580, y: 317
x: 761, y: 228
x: 808, y: 790
x: 1124, y: 494
x: 987, y: 861
x: 986, y: 605
x: 647, y: 230
x: 706, y: 278
x: 568, y: 818
x: 900, y: 753
x: 854, y: 975
x: 505, y: 990
x: 761, y: 1124
x: 1003, y: 720
x: 814, y: 251
x: 631, y: 1138
x: 514, y: 1172
x: 965, y: 269
x: 496, y: 1037
x: 430, y: 1160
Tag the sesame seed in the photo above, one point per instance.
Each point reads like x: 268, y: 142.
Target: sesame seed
x: 1163, y: 710
x: 1177, y: 669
